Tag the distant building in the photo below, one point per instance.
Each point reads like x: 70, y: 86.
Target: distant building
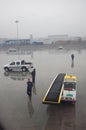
x: 2, y: 40
x: 52, y: 39
x: 40, y: 41
x: 37, y: 43
x: 19, y: 41
x: 75, y: 38
x: 58, y: 37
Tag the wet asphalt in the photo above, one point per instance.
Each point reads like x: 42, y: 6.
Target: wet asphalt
x: 20, y: 112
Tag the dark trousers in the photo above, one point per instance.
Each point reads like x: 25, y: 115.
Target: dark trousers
x: 29, y: 91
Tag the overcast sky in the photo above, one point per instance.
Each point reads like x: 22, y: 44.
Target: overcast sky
x: 42, y: 18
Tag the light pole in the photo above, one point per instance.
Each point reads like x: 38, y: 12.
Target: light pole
x: 17, y: 34
x: 17, y: 28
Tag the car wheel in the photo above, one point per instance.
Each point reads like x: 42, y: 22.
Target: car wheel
x: 24, y: 69
x: 6, y: 69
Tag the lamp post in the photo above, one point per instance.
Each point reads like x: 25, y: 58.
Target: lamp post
x: 17, y: 34
x: 17, y: 28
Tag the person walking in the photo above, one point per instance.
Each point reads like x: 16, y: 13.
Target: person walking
x: 72, y: 56
x: 33, y: 75
x: 29, y: 87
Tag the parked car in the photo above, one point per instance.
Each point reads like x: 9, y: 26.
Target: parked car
x: 60, y: 47
x: 19, y: 65
x: 11, y: 51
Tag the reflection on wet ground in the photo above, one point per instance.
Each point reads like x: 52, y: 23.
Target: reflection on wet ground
x: 18, y: 75
x: 61, y: 117
x: 34, y: 88
x: 30, y: 106
x: 72, y: 64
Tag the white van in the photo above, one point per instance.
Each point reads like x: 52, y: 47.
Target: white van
x: 69, y: 89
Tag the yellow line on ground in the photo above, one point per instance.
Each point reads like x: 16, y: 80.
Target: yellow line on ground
x: 59, y: 100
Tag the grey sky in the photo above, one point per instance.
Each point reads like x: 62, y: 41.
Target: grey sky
x: 42, y: 18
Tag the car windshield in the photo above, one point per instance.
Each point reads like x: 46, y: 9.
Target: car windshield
x: 12, y: 63
x: 69, y: 85
x: 18, y: 63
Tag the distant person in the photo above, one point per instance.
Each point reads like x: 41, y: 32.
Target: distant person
x: 72, y: 56
x: 33, y: 75
x: 29, y: 87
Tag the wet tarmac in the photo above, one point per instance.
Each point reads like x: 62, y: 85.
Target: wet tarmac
x: 20, y: 112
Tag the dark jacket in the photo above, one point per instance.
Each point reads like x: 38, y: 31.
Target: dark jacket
x: 29, y: 85
x: 29, y: 88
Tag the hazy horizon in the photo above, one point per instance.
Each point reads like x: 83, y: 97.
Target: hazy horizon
x: 42, y: 18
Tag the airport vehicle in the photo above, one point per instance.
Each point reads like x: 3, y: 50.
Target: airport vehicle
x: 19, y: 65
x: 62, y: 89
x: 69, y: 88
